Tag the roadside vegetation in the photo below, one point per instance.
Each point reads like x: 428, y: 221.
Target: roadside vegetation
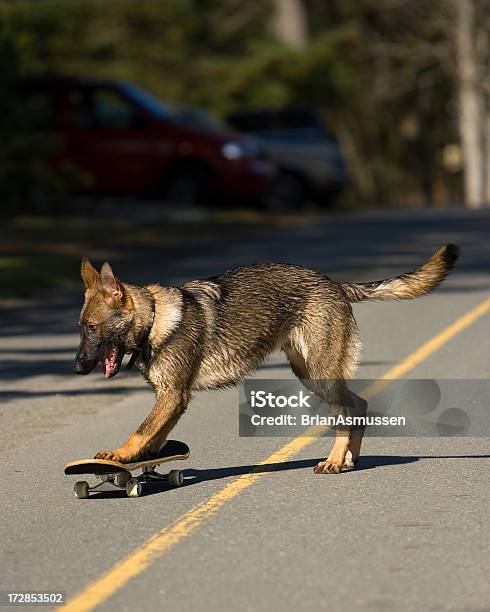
x: 381, y: 73
x: 43, y: 252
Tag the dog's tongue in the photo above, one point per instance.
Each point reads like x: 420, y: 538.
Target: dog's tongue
x: 109, y: 360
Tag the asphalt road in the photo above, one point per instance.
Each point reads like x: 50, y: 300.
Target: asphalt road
x: 407, y: 531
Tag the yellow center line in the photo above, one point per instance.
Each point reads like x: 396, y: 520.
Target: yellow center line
x: 426, y: 349
x: 136, y: 562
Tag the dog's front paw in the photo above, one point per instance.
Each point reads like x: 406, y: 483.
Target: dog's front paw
x: 114, y: 455
x: 327, y: 467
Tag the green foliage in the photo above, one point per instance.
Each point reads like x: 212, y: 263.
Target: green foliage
x: 372, y: 68
x: 25, y: 174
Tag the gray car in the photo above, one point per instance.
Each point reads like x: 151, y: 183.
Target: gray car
x: 310, y: 160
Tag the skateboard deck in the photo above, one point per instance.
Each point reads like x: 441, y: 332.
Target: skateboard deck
x: 115, y: 476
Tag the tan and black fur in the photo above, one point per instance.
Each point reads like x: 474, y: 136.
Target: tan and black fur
x: 211, y: 333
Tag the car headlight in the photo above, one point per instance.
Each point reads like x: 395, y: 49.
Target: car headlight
x: 233, y: 150
x: 237, y: 150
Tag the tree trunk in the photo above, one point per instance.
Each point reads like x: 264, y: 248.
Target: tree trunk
x: 486, y: 130
x: 290, y: 23
x: 483, y: 47
x: 470, y: 106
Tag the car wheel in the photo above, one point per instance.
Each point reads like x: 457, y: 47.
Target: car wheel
x: 190, y: 186
x: 287, y: 193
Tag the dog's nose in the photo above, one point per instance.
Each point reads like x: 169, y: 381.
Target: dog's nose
x: 83, y: 366
x: 78, y: 367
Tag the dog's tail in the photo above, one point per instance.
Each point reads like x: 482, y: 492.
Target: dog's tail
x: 410, y: 285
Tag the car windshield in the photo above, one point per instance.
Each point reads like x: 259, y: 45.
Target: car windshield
x: 192, y: 115
x: 151, y: 104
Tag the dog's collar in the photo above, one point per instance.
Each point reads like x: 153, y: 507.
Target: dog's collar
x: 137, y: 352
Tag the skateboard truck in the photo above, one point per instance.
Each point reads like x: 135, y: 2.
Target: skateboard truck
x: 123, y: 481
x: 115, y: 476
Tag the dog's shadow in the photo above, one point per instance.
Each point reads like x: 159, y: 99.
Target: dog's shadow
x: 366, y: 462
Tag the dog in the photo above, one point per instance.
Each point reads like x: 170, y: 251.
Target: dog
x: 210, y: 333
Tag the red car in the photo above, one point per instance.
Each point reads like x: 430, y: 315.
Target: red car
x: 128, y: 142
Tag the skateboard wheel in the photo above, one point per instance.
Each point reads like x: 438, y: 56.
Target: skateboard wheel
x: 134, y: 488
x: 121, y: 479
x: 80, y: 489
x: 176, y: 478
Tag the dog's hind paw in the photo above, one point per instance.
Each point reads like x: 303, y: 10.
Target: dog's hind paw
x: 327, y: 467
x: 349, y: 464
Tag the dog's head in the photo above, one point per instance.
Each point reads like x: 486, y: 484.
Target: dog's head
x: 106, y: 322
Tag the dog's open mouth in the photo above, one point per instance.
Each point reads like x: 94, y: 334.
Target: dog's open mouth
x: 111, y: 360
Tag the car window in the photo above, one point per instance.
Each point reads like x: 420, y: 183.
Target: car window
x: 102, y: 108
x: 111, y: 110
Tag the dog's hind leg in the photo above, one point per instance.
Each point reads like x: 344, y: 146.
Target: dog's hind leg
x: 323, y: 356
x: 345, y: 452
x: 357, y: 435
x: 297, y: 362
x: 336, y: 395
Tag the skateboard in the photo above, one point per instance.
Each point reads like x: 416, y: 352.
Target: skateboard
x: 114, y: 476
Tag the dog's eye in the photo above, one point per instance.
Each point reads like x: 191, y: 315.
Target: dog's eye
x: 91, y: 328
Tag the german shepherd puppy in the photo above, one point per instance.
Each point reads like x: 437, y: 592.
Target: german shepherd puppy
x: 210, y: 333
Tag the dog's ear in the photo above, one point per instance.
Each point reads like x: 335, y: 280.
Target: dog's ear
x: 90, y: 275
x: 111, y: 287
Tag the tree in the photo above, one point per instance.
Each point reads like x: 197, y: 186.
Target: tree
x: 471, y: 104
x: 377, y: 70
x: 290, y: 23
